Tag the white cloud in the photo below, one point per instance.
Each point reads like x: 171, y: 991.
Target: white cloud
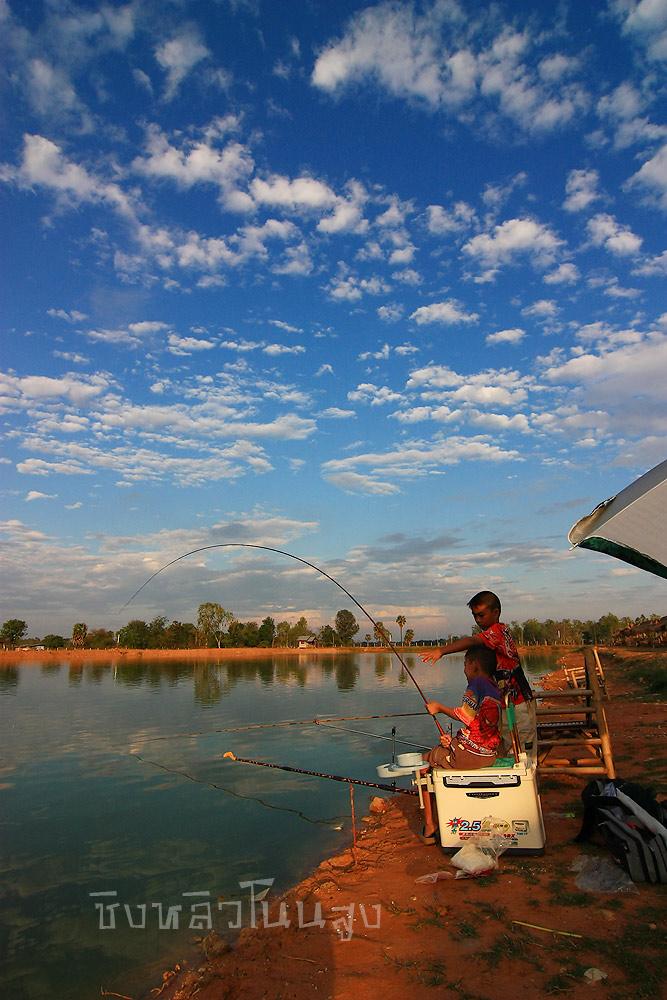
x: 605, y: 232
x: 440, y: 221
x: 448, y: 312
x: 285, y: 326
x: 35, y: 495
x: 277, y: 349
x: 78, y: 390
x: 422, y: 55
x: 304, y: 192
x: 581, y: 189
x: 200, y: 162
x: 178, y: 57
x: 188, y: 345
x: 512, y: 239
x: 70, y: 317
x: 646, y: 21
x: 407, y: 277
x: 565, y: 273
x: 372, y: 472
x: 337, y: 413
x: 392, y: 312
x: 399, y: 49
x: 653, y: 176
x: 43, y: 165
x: 513, y: 336
x: 373, y: 395
x: 542, y: 309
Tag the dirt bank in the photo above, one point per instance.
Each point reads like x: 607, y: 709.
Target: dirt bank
x: 387, y: 936
x: 234, y: 652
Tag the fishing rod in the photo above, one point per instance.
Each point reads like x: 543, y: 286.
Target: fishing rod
x: 290, y: 555
x: 319, y: 774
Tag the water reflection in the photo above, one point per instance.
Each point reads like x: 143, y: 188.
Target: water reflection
x: 113, y: 780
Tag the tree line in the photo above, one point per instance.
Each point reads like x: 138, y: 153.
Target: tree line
x: 216, y: 627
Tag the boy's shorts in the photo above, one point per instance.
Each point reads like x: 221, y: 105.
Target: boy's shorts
x: 458, y: 758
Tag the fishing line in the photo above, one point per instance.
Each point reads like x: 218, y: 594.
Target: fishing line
x: 236, y: 795
x: 360, y: 732
x: 272, y: 725
x: 290, y: 555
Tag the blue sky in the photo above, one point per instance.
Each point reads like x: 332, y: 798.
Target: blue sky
x: 382, y: 285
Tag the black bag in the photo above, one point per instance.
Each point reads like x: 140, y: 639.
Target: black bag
x: 640, y: 852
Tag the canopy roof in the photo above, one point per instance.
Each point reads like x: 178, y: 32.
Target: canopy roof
x: 631, y: 526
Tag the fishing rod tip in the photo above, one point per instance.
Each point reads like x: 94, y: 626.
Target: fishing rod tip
x: 229, y: 754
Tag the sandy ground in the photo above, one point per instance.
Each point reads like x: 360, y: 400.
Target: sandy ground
x: 386, y: 935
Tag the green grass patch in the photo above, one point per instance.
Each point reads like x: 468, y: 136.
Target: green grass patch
x: 647, y: 674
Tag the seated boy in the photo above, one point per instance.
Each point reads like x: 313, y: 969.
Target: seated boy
x: 486, y: 609
x: 476, y: 744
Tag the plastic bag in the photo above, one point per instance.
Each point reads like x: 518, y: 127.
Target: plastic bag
x: 601, y: 875
x: 480, y: 853
x: 434, y: 877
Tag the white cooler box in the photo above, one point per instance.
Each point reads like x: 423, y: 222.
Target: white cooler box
x: 464, y: 799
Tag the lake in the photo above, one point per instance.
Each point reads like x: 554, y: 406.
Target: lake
x: 122, y: 821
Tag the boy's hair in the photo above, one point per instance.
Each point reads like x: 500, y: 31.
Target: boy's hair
x: 484, y: 657
x: 487, y: 598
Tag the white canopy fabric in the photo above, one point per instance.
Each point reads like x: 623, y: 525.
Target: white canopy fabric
x: 631, y: 526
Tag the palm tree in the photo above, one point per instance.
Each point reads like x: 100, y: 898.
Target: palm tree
x: 79, y: 633
x: 400, y: 621
x: 382, y: 633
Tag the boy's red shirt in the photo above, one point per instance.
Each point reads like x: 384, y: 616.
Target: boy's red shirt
x: 509, y: 674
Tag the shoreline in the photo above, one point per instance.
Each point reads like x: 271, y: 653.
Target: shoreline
x: 521, y: 932
x: 232, y: 652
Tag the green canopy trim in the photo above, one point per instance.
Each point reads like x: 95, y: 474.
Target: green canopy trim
x: 625, y: 553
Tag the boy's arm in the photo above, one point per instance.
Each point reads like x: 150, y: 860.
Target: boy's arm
x: 462, y: 714
x: 458, y: 646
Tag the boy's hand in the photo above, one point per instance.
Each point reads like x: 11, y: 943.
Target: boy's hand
x: 445, y: 741
x: 431, y: 656
x: 433, y: 707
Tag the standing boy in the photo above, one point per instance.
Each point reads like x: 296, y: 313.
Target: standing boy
x: 476, y: 744
x: 511, y: 679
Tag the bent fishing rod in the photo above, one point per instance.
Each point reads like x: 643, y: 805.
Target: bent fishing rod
x: 320, y: 774
x: 290, y: 555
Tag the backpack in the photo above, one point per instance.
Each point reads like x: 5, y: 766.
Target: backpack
x: 631, y: 822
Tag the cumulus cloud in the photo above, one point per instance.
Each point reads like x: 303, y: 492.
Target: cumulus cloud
x: 653, y: 176
x: 646, y: 22
x: 581, y: 189
x: 513, y: 336
x: 441, y: 221
x: 448, y: 313
x: 188, y: 345
x: 606, y: 232
x: 515, y: 238
x: 44, y: 165
x: 178, y: 57
x: 203, y: 160
x: 384, y: 472
x: 425, y: 55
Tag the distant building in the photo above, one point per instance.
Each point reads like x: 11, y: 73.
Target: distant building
x: 306, y: 642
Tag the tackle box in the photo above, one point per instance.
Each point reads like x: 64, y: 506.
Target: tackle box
x: 489, y: 801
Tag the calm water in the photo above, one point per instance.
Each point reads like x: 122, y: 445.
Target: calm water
x: 112, y: 780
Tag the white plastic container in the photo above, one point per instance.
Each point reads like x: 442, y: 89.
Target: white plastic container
x: 466, y: 799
